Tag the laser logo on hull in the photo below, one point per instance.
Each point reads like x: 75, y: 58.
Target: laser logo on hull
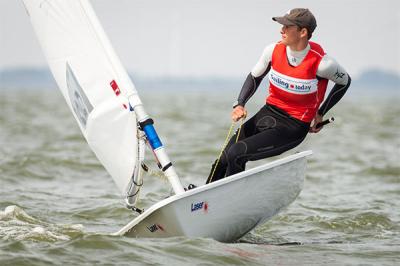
x: 196, y: 206
x: 155, y: 227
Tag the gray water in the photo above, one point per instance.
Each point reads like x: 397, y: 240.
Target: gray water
x: 58, y: 205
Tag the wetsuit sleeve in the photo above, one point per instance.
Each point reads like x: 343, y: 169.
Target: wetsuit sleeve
x: 330, y: 69
x: 256, y: 75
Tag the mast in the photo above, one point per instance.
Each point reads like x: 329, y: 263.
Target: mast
x: 146, y: 124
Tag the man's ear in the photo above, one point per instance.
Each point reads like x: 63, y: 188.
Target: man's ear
x: 304, y: 32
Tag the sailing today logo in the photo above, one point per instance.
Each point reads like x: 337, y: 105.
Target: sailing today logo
x: 279, y: 82
x: 299, y: 86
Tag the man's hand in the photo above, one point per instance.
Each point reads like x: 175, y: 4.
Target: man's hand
x: 238, y: 113
x: 317, y: 119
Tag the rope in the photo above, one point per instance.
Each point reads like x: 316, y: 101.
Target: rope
x: 240, y: 128
x: 226, y: 143
x: 140, y: 136
x: 150, y: 171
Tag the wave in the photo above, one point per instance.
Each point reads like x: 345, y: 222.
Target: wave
x: 16, y: 224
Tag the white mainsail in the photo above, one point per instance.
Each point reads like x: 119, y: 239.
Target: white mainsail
x: 92, y: 81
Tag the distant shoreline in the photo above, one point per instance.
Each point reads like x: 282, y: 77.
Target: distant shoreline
x: 34, y: 78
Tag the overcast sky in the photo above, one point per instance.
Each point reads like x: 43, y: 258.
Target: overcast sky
x: 218, y: 38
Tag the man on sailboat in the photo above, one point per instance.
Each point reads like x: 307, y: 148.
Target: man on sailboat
x: 299, y: 71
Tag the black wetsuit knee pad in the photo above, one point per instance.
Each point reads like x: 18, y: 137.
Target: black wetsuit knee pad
x: 237, y: 150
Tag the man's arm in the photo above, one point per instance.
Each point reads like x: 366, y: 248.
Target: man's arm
x: 334, y: 96
x: 250, y: 86
x: 253, y: 80
x: 330, y: 69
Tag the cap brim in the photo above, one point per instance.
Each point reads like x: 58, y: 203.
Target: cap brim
x: 283, y: 21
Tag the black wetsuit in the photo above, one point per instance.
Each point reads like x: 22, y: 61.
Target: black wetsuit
x: 269, y: 132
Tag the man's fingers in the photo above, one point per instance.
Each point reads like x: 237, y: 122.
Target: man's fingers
x: 238, y: 113
x: 236, y: 117
x: 314, y: 129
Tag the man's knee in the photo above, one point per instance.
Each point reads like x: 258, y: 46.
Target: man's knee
x: 237, y: 150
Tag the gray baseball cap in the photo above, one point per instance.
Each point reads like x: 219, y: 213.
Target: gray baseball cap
x: 301, y: 17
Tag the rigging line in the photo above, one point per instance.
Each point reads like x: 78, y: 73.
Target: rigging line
x: 224, y: 146
x: 152, y: 172
x: 240, y: 128
x: 146, y: 168
x: 140, y: 137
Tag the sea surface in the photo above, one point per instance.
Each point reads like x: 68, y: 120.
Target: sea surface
x: 59, y: 206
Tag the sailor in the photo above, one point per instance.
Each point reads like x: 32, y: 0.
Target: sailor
x: 299, y: 71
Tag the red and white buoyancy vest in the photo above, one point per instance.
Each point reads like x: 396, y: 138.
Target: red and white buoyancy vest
x: 296, y: 89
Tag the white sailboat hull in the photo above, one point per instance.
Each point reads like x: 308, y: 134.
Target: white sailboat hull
x: 227, y: 209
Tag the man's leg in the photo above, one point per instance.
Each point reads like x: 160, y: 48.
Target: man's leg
x: 276, y: 135
x: 220, y: 166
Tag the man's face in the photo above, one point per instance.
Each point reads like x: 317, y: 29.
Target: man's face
x: 290, y: 35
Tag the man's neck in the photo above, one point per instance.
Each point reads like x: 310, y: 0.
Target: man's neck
x: 296, y: 57
x: 299, y: 46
